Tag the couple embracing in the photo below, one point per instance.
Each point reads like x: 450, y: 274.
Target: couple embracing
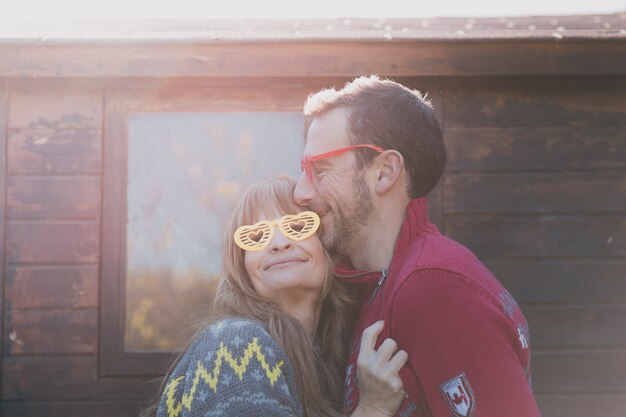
x: 339, y: 297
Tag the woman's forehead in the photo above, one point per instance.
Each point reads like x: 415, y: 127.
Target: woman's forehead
x: 269, y: 213
x: 273, y: 211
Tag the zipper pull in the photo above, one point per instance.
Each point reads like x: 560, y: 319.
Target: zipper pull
x: 378, y: 285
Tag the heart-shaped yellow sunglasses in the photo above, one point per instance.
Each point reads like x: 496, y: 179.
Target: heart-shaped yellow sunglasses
x: 296, y: 227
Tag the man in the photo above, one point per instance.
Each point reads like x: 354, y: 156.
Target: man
x: 373, y: 151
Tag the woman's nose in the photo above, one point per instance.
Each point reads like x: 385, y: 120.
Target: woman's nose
x: 280, y: 243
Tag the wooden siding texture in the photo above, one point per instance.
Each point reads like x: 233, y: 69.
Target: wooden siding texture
x: 336, y: 58
x: 535, y: 185
x: 50, y: 323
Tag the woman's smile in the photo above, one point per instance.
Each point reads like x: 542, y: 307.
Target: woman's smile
x: 283, y: 262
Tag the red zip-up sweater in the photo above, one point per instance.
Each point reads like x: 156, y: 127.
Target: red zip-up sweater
x: 466, y: 337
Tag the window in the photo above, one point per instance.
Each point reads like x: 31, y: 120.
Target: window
x: 175, y: 162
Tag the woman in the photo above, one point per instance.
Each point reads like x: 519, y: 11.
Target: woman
x: 277, y: 344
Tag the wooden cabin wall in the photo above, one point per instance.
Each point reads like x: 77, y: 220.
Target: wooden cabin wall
x: 51, y: 279
x: 535, y: 185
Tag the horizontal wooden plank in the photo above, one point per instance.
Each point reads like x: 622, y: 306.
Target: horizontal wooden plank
x: 535, y: 193
x: 572, y: 326
x: 570, y: 281
x: 579, y: 372
x: 275, y: 58
x: 535, y: 148
x: 539, y: 236
x: 72, y: 409
x: 49, y: 151
x: 51, y: 287
x: 68, y: 378
x: 515, y: 102
x: 50, y: 331
x: 578, y: 405
x: 62, y: 242
x: 122, y: 100
x: 50, y: 106
x: 53, y: 197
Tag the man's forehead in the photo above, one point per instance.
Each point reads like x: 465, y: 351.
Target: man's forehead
x: 327, y: 132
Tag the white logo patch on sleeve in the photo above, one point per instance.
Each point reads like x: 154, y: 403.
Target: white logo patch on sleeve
x: 459, y: 396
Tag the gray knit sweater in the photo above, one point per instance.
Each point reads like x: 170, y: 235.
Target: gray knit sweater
x: 234, y: 368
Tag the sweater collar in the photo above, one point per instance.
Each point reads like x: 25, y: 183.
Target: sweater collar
x: 415, y: 223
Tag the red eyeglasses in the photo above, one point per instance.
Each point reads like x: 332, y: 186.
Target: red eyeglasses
x: 305, y: 162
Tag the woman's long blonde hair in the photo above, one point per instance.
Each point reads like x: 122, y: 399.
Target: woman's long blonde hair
x: 318, y: 363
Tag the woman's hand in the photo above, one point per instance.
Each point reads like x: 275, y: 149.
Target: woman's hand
x: 381, y: 391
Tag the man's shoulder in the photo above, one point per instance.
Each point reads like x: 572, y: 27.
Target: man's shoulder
x: 442, y: 266
x: 440, y: 253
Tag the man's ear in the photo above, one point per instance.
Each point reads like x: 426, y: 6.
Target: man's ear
x: 390, y: 168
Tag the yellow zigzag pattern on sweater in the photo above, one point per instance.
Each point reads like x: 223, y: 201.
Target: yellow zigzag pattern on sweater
x: 223, y: 354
